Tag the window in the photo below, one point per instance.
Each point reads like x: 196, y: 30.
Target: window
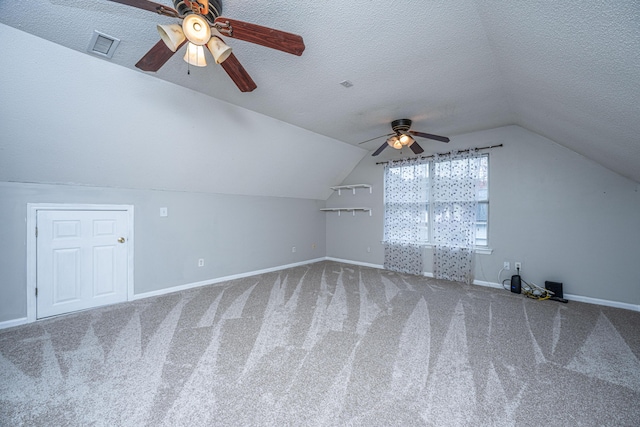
x: 407, y: 201
x: 482, y: 217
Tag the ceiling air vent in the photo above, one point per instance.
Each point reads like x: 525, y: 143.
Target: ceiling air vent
x: 102, y: 44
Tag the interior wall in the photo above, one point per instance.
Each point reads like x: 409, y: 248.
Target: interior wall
x: 566, y: 218
x: 71, y: 118
x: 241, y: 188
x: 234, y: 234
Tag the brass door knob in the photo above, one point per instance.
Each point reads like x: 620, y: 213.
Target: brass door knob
x: 121, y: 240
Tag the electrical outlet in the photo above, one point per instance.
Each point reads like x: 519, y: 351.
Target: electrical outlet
x: 293, y: 249
x: 313, y: 246
x: 201, y: 262
x: 518, y: 266
x: 164, y: 212
x: 506, y: 265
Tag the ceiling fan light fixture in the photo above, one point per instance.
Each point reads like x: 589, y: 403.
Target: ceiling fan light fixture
x: 394, y: 142
x: 195, y: 55
x: 406, y: 140
x: 196, y: 29
x: 171, y: 35
x: 218, y: 49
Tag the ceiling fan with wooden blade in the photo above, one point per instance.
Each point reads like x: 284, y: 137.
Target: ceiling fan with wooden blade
x: 156, y: 57
x: 402, y: 137
x: 236, y: 71
x: 202, y: 26
x: 264, y: 36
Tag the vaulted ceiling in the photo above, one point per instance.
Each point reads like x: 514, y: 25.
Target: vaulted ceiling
x: 568, y: 70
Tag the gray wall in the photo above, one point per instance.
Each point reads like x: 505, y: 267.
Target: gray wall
x: 234, y: 234
x: 563, y: 216
x: 71, y: 118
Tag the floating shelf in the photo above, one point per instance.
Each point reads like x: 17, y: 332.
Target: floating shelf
x: 352, y: 210
x: 352, y: 187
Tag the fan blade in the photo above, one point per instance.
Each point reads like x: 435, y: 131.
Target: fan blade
x: 430, y: 136
x: 268, y: 37
x: 238, y: 74
x: 389, y: 134
x: 415, y: 147
x: 156, y: 57
x: 150, y: 6
x: 382, y: 147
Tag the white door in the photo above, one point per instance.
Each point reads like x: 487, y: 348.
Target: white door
x: 81, y: 260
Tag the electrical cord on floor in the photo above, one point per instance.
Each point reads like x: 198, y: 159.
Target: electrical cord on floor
x: 531, y: 290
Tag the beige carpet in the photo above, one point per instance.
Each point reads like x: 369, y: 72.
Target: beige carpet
x: 326, y: 344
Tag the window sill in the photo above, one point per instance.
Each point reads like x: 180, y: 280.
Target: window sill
x: 483, y: 251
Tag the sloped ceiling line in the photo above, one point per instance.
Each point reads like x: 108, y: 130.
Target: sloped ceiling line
x: 567, y: 69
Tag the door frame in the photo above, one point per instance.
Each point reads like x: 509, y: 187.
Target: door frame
x: 32, y: 221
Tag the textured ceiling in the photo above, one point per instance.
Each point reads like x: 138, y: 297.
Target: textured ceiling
x: 568, y: 70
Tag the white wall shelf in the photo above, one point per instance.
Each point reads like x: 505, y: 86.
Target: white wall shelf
x: 352, y: 187
x: 352, y: 210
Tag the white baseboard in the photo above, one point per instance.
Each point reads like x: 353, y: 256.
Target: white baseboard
x: 347, y: 261
x: 15, y: 322
x: 577, y: 298
x: 220, y: 279
x: 22, y: 321
x: 605, y: 302
x: 488, y: 284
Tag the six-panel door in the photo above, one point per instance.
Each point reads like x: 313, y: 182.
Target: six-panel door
x: 81, y: 260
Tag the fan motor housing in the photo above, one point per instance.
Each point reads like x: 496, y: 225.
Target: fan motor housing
x: 215, y: 9
x: 401, y: 125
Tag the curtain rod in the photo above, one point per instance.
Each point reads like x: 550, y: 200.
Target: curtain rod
x: 450, y: 152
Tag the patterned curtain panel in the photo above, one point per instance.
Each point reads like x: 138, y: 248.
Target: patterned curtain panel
x: 452, y: 263
x: 404, y: 258
x: 406, y: 184
x: 454, y: 207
